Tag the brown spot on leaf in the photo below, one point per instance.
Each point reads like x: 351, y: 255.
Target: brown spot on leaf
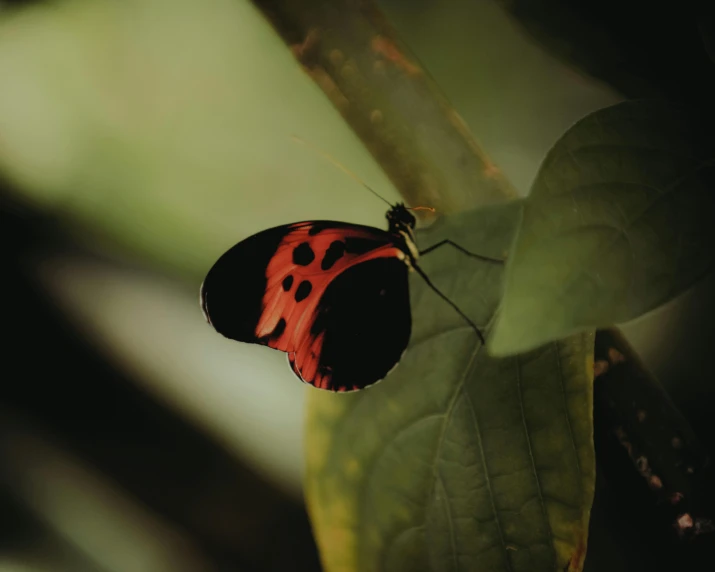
x: 641, y: 415
x: 331, y: 89
x: 615, y: 356
x: 306, y: 53
x: 655, y: 483
x: 600, y: 367
x: 349, y: 70
x: 387, y: 49
x: 376, y: 116
x: 623, y: 440
x: 576, y: 561
x: 308, y: 48
x: 643, y: 466
x: 684, y: 521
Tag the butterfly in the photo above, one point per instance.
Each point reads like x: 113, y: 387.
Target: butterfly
x: 333, y: 296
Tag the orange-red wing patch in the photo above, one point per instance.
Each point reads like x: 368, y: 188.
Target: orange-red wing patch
x: 307, y: 260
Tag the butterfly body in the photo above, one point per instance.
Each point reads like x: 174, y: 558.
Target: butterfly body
x: 333, y: 296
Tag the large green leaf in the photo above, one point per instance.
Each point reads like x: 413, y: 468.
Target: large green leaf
x: 458, y: 460
x: 621, y: 219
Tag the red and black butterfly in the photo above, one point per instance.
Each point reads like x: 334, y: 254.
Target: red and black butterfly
x: 334, y: 296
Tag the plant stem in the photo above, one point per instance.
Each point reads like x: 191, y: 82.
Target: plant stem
x: 348, y: 48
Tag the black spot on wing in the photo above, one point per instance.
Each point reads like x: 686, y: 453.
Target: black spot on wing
x: 335, y: 252
x: 287, y: 283
x: 303, y: 290
x: 303, y: 254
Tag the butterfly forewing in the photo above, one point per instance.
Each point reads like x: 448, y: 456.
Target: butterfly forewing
x: 332, y: 295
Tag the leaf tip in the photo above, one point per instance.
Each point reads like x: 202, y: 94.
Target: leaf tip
x: 505, y: 340
x: 500, y: 345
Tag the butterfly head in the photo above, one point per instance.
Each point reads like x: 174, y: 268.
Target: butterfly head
x: 400, y: 219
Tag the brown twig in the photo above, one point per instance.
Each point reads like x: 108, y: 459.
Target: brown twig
x: 394, y: 106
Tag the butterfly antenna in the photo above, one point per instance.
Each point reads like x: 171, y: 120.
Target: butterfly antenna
x: 342, y: 167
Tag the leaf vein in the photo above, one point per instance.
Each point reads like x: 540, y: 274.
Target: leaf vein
x: 488, y: 480
x: 532, y: 458
x: 562, y: 382
x: 452, y: 539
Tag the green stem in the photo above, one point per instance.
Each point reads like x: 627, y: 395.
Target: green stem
x: 388, y: 99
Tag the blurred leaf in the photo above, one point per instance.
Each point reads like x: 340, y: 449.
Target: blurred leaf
x: 458, y: 460
x: 620, y: 220
x: 639, y: 47
x: 140, y: 133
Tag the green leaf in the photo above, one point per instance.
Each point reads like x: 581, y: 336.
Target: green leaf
x: 621, y: 219
x: 458, y: 460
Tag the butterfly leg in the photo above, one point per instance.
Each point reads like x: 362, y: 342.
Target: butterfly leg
x: 464, y: 250
x: 429, y: 283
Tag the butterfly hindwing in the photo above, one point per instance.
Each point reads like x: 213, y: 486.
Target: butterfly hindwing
x: 360, y: 329
x: 327, y: 293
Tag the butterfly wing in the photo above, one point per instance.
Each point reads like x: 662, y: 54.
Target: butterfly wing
x: 332, y: 295
x: 360, y: 328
